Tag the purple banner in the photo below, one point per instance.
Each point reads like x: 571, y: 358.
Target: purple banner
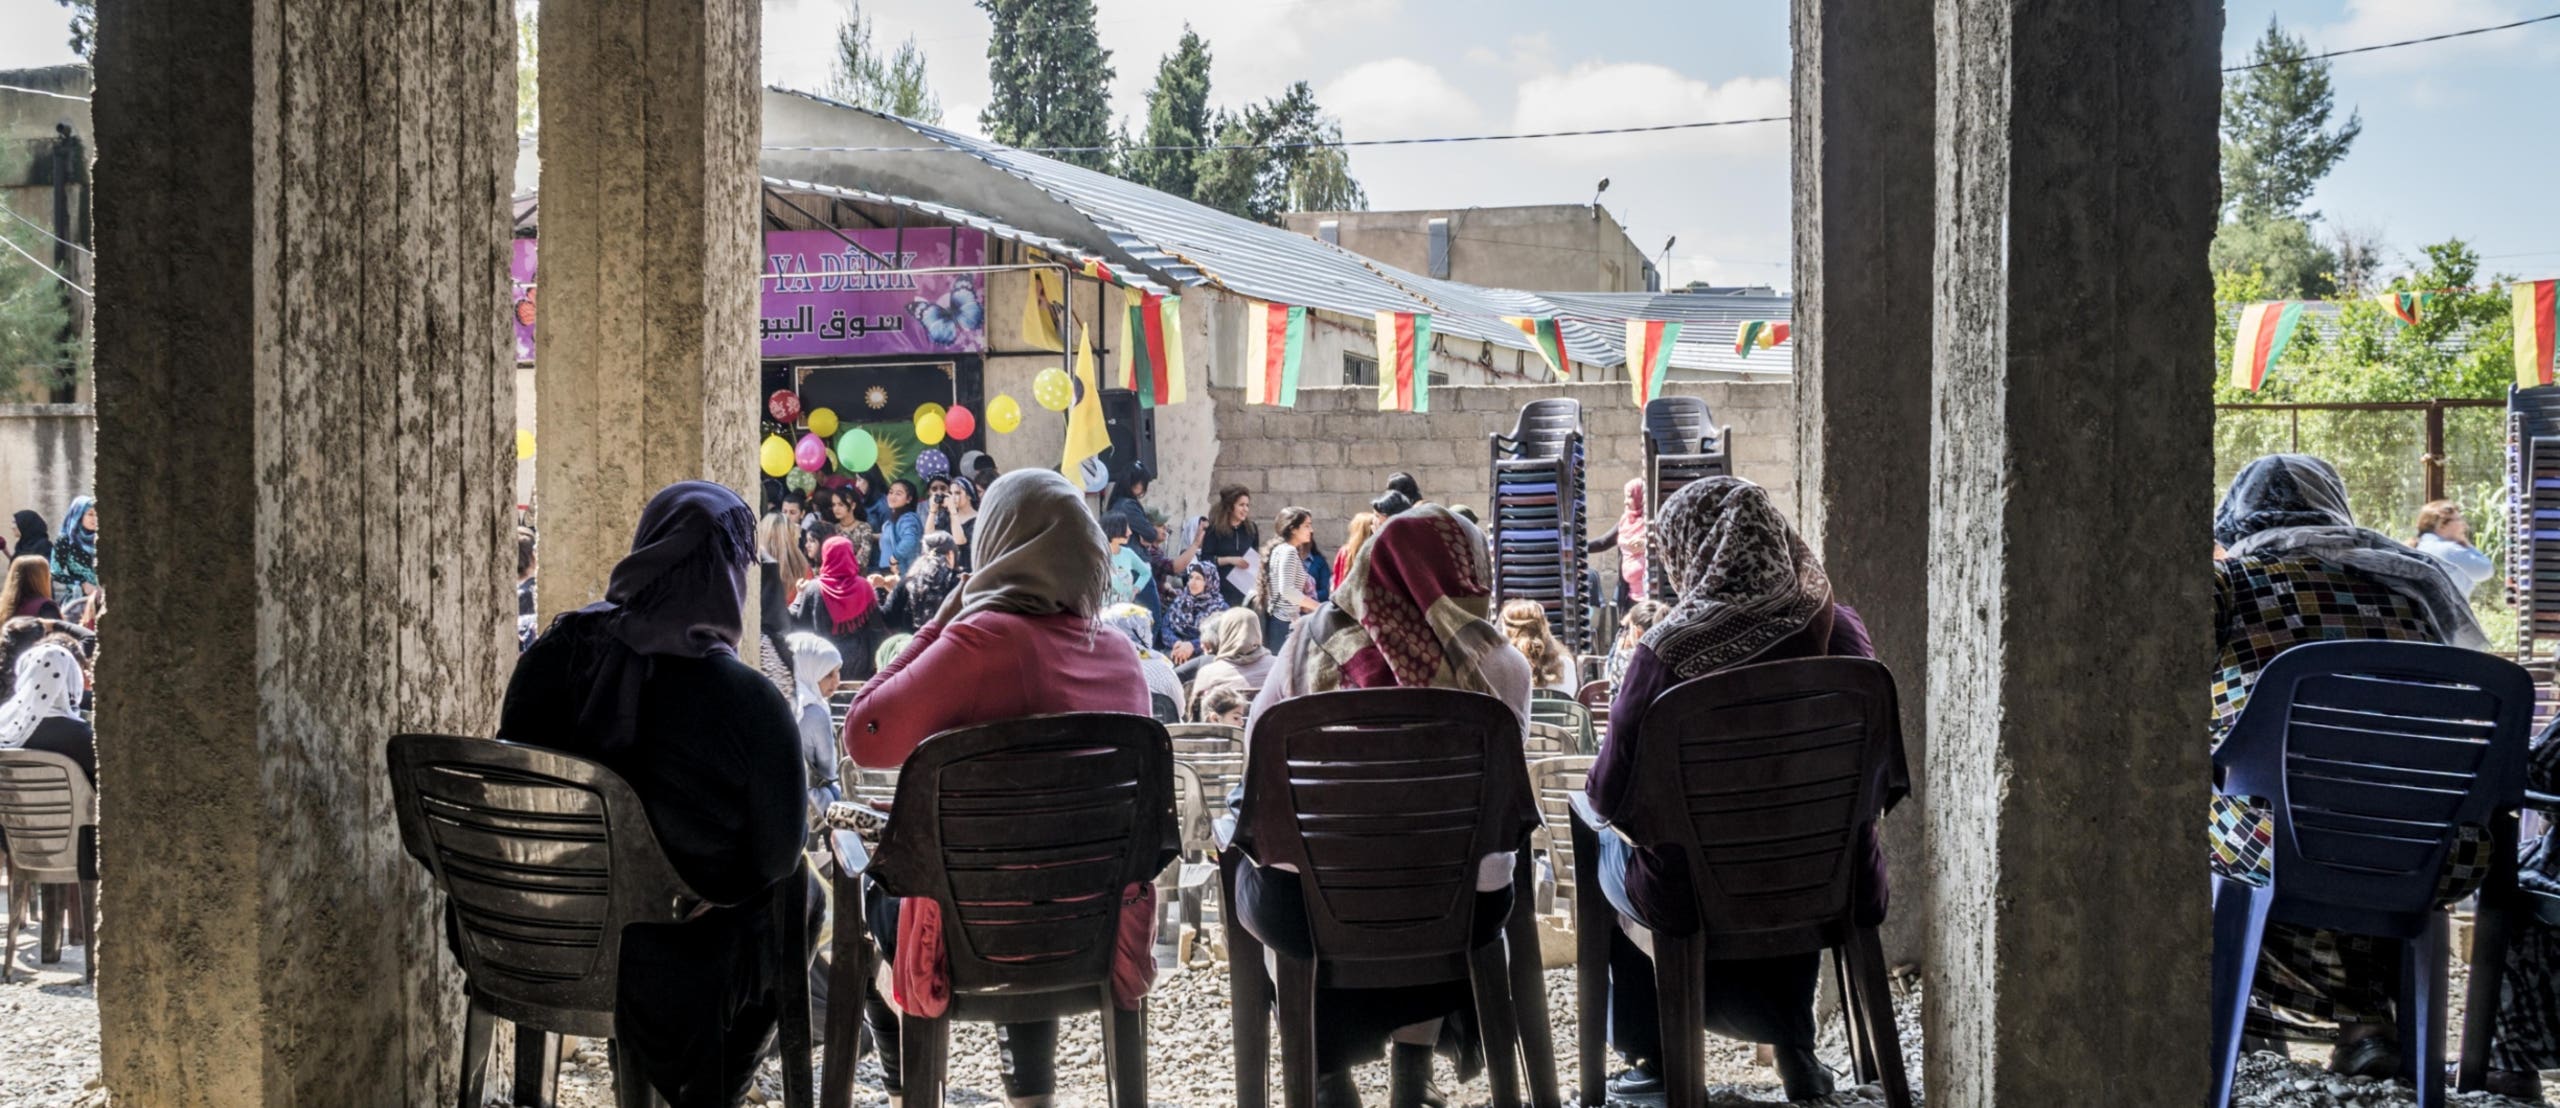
x: 521, y: 296
x: 844, y: 306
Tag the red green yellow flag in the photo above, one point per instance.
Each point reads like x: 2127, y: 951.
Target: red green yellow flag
x: 2407, y: 307
x: 1151, y: 348
x: 1086, y: 433
x: 1094, y: 269
x: 1275, y: 341
x: 1548, y: 336
x: 2533, y: 308
x: 2265, y: 329
x: 1404, y: 362
x: 1759, y: 334
x: 1649, y: 343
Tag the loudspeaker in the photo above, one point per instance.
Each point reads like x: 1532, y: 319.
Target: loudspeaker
x: 1132, y: 427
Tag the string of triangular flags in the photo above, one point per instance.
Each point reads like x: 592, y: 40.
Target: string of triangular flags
x: 2268, y: 327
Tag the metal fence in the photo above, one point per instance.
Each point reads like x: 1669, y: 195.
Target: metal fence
x: 2394, y: 456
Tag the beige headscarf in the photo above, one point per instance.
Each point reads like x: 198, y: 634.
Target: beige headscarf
x: 1037, y: 551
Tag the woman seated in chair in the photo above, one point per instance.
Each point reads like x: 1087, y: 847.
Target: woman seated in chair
x: 1017, y: 639
x: 2297, y: 569
x: 1749, y: 591
x: 1164, y: 689
x: 1237, y: 660
x: 43, y: 709
x: 1411, y: 613
x: 648, y: 682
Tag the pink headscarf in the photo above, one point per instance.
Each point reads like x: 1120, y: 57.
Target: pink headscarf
x: 849, y: 597
x: 1631, y: 539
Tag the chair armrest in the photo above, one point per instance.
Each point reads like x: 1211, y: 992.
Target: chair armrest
x: 851, y: 856
x: 2546, y: 803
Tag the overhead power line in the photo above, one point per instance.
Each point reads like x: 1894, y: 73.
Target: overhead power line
x: 2401, y: 43
x: 1308, y: 145
x: 40, y: 229
x: 39, y: 264
x: 43, y: 92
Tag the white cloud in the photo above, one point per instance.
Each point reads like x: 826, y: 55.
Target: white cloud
x: 34, y: 33
x: 1397, y: 97
x: 2373, y: 22
x: 1633, y: 94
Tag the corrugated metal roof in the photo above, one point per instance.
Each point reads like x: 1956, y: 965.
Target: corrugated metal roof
x: 1061, y: 249
x: 1187, y: 243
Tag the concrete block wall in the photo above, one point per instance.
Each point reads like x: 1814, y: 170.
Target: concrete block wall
x: 1332, y: 453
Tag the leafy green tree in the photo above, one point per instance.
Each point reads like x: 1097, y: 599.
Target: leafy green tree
x: 2281, y: 249
x: 1049, y: 79
x: 84, y: 28
x: 862, y: 78
x: 1280, y: 155
x: 35, y: 312
x: 2276, y: 139
x: 2460, y: 347
x: 528, y: 66
x: 1177, y: 118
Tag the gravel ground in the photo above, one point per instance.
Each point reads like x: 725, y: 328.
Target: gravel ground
x: 48, y: 1028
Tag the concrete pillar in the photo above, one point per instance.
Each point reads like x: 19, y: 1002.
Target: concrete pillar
x: 302, y: 213
x: 645, y: 353
x: 1864, y: 78
x: 2070, y: 609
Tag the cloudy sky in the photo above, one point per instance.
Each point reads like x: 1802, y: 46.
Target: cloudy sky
x: 2448, y: 146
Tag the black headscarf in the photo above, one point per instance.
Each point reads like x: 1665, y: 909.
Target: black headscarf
x: 681, y: 592
x: 34, y: 538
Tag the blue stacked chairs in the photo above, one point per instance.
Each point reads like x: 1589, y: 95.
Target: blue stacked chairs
x: 2533, y: 546
x: 1539, y: 517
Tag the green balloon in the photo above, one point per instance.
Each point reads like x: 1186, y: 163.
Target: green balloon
x: 857, y: 451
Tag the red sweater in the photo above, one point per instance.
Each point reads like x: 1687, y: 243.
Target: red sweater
x: 987, y: 667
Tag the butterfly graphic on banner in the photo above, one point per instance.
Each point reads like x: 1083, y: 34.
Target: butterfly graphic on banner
x: 959, y: 310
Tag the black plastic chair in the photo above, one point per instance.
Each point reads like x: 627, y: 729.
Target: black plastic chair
x: 46, y: 809
x: 1025, y: 833
x: 1766, y: 779
x: 1682, y: 446
x: 2503, y: 906
x: 1383, y: 801
x: 544, y: 859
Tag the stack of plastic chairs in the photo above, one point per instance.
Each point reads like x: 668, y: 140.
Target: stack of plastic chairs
x: 1681, y: 444
x: 1539, y: 517
x: 2533, y: 544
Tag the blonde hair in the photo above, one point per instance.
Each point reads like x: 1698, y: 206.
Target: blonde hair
x: 1363, y: 528
x: 1640, y: 618
x: 28, y: 576
x: 1524, y: 623
x: 2436, y: 514
x: 778, y: 539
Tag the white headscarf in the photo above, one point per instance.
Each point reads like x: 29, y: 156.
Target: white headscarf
x: 812, y: 655
x: 1038, y: 550
x: 48, y: 685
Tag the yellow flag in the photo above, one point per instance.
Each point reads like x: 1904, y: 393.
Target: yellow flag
x: 1086, y: 435
x: 1040, y: 300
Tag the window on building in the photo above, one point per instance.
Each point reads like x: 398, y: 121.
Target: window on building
x: 1358, y: 369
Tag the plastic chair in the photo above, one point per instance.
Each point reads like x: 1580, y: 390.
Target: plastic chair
x: 1554, y: 781
x: 1026, y: 834
x: 1767, y: 779
x: 1566, y: 713
x: 544, y: 858
x: 1682, y: 445
x: 2368, y: 756
x: 1383, y: 801
x: 2503, y: 906
x: 46, y: 808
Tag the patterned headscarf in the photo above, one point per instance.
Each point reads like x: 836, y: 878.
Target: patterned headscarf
x: 1186, y: 613
x: 48, y: 686
x: 1745, y: 579
x: 1412, y: 612
x: 2295, y: 506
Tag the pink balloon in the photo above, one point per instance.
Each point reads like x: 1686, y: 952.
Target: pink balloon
x: 811, y: 454
x: 958, y: 423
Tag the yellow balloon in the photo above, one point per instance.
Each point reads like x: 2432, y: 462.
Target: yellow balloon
x: 774, y: 456
x: 1004, y: 414
x: 1053, y: 389
x: 524, y: 444
x: 928, y: 425
x: 822, y: 422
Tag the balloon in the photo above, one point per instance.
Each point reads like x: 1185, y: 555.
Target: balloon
x: 774, y: 456
x: 856, y: 450
x: 822, y: 422
x: 800, y: 480
x: 812, y: 454
x: 960, y: 422
x: 1004, y: 414
x: 929, y: 427
x: 932, y: 464
x: 1097, y: 476
x: 524, y: 444
x: 1053, y: 389
x: 784, y: 404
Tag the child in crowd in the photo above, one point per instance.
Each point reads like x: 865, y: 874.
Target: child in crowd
x: 1224, y: 706
x: 1640, y: 618
x: 1128, y: 569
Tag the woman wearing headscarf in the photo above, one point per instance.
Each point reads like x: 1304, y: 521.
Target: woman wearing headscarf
x: 1188, y: 611
x: 817, y: 670
x: 2297, y: 569
x: 34, y: 540
x: 956, y: 514
x: 75, y: 550
x: 1749, y: 591
x: 1412, y: 614
x: 1237, y: 659
x: 919, y: 594
x: 43, y: 709
x: 648, y: 682
x: 1628, y: 541
x: 1018, y: 638
x: 1164, y: 687
x: 842, y: 604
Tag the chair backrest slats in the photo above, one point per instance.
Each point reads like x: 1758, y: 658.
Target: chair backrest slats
x: 44, y: 802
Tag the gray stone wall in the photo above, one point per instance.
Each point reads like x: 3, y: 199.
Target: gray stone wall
x: 1333, y: 452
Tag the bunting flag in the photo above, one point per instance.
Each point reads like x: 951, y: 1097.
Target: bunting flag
x: 2265, y: 329
x: 1649, y: 343
x: 1404, y: 362
x: 1548, y: 336
x: 2407, y: 307
x: 1086, y: 433
x: 1759, y: 334
x: 1275, y: 341
x: 2533, y: 308
x: 1040, y: 303
x: 1153, y: 344
x: 1095, y: 270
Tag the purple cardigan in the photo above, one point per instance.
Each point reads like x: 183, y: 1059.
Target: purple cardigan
x: 1655, y: 889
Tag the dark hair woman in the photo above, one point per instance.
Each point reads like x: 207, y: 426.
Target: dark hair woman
x: 902, y: 533
x: 648, y: 682
x: 1287, y: 590
x: 29, y: 590
x: 33, y: 537
x: 1229, y: 540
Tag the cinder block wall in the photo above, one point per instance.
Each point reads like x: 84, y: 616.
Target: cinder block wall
x: 1333, y: 452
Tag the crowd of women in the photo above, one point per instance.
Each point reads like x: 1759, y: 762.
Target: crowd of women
x: 974, y: 600
x: 50, y: 605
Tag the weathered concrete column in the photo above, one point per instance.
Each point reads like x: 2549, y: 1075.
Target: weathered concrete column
x: 2070, y: 607
x: 302, y: 213
x: 645, y: 353
x: 1865, y: 73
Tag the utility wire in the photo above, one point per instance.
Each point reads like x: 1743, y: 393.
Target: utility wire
x: 39, y: 264
x: 43, y: 92
x: 1308, y: 145
x: 2394, y: 45
x: 40, y: 229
